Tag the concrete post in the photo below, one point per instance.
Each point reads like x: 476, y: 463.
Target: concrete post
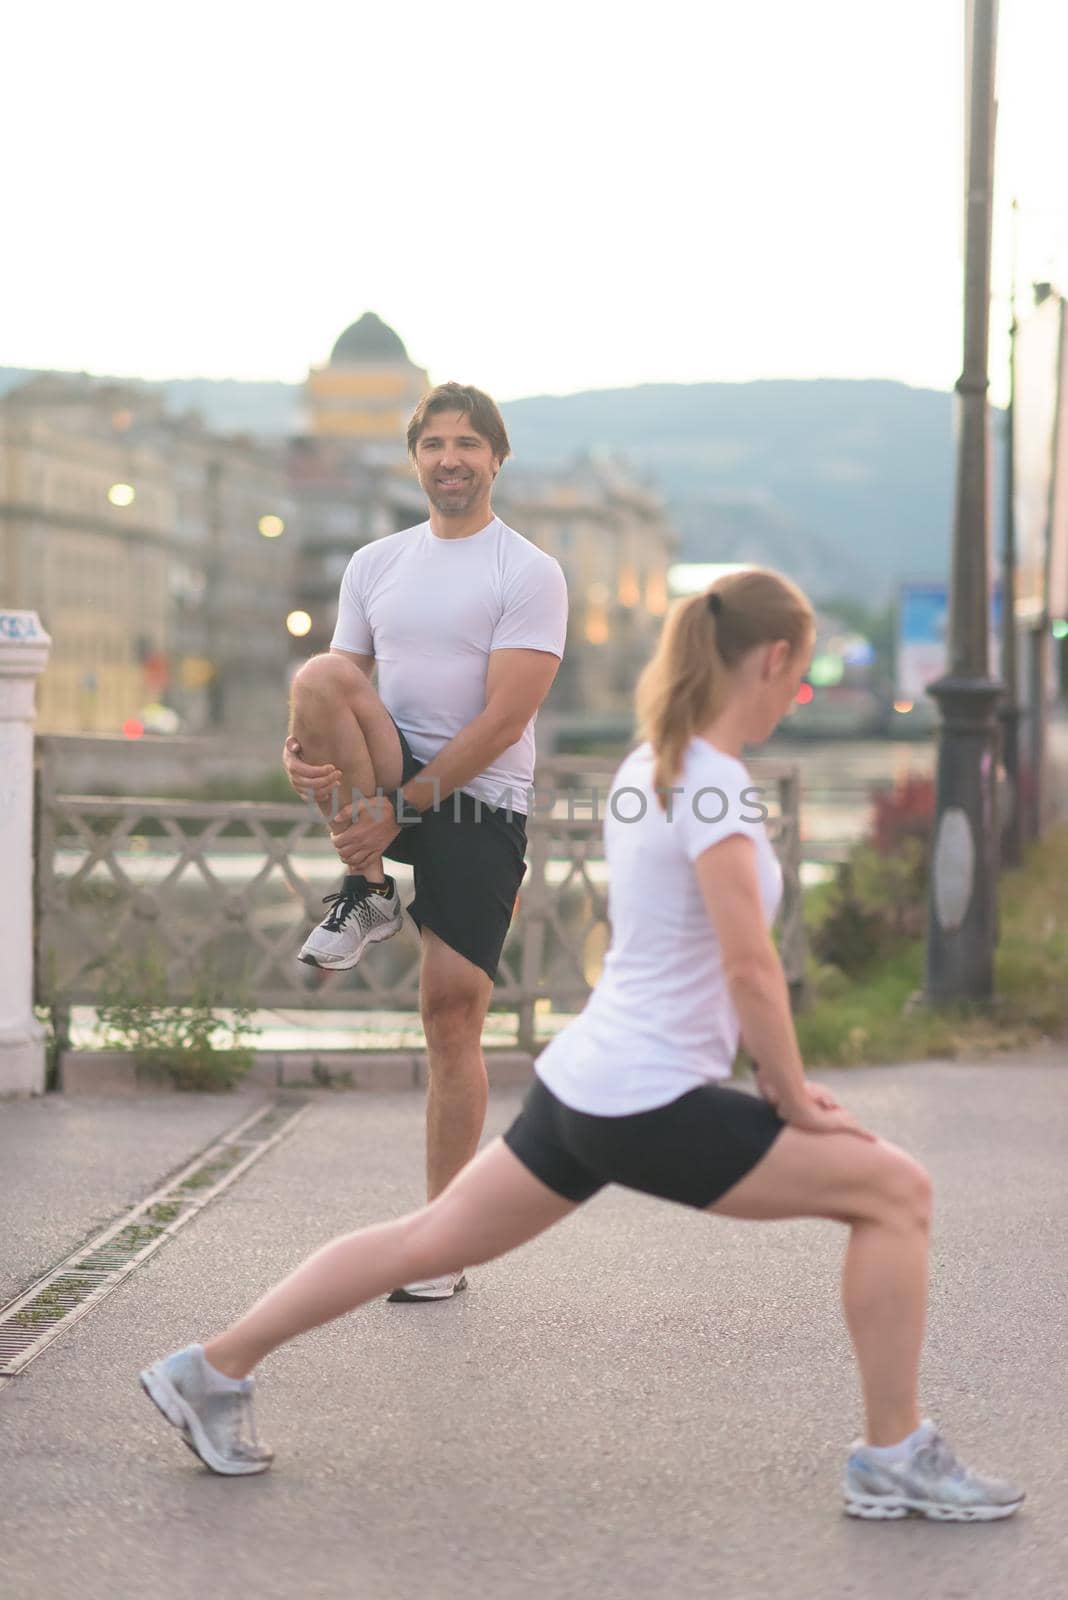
x: 24, y: 648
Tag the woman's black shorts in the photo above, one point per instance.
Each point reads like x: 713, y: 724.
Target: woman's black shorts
x: 692, y: 1150
x: 468, y: 861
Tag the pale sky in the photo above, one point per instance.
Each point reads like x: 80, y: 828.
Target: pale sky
x: 539, y: 195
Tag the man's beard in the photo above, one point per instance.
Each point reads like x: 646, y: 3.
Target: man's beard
x: 454, y: 502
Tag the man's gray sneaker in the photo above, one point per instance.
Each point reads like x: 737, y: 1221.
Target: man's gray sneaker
x: 928, y: 1482
x: 216, y: 1422
x: 430, y: 1289
x: 358, y: 917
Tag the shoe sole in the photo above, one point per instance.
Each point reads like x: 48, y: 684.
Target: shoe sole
x: 888, y: 1508
x: 401, y: 1297
x: 329, y: 964
x: 169, y: 1403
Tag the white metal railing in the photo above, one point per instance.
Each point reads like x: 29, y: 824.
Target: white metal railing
x: 224, y: 892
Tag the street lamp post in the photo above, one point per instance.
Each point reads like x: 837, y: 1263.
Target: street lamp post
x: 1038, y: 653
x: 1009, y: 711
x: 962, y: 910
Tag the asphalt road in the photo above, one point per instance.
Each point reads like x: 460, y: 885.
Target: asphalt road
x: 68, y: 1166
x: 642, y: 1401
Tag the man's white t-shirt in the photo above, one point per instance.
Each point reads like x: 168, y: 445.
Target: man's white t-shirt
x: 660, y: 1020
x: 431, y: 611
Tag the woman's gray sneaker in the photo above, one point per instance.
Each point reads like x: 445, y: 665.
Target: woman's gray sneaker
x: 928, y: 1482
x: 216, y: 1422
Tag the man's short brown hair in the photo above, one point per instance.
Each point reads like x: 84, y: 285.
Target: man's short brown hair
x: 470, y: 402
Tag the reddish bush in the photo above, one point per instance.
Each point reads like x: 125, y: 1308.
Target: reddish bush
x: 904, y: 812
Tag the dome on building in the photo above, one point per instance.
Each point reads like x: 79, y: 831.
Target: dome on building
x: 370, y: 339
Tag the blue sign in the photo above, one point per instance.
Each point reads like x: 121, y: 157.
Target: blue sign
x: 923, y: 636
x: 20, y: 626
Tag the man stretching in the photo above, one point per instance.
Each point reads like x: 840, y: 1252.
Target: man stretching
x: 466, y: 621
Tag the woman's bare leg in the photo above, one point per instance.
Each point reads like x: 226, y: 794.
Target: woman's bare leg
x: 491, y: 1207
x: 884, y: 1197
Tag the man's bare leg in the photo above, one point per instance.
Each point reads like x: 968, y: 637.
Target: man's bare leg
x: 337, y: 717
x: 454, y: 997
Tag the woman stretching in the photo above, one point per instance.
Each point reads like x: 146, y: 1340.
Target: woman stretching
x: 634, y: 1091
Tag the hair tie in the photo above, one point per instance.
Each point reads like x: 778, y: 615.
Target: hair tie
x: 715, y: 604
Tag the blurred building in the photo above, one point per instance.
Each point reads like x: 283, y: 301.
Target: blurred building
x: 346, y: 496
x: 368, y: 389
x: 184, y: 574
x: 611, y: 536
x: 151, y: 551
x: 349, y: 471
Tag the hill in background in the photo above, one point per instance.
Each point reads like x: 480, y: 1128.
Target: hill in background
x: 845, y: 484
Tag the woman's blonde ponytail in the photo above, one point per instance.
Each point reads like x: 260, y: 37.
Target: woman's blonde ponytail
x: 684, y: 686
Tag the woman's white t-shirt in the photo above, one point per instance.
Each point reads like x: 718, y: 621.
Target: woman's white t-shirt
x: 660, y: 1020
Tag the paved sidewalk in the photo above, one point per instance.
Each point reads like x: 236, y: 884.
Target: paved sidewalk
x: 640, y: 1401
x: 68, y: 1166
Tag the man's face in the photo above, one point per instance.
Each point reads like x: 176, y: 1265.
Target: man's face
x: 455, y: 465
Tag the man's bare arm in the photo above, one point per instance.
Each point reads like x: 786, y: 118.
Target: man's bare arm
x: 517, y: 682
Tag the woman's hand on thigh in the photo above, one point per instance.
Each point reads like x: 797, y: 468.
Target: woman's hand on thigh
x: 819, y: 1112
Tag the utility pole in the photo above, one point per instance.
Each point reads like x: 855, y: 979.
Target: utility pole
x: 961, y: 919
x: 1012, y: 825
x: 1038, y: 637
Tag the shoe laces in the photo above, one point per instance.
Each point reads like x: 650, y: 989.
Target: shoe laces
x: 346, y: 903
x: 939, y: 1459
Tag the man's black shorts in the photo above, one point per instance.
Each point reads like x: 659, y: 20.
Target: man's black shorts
x: 468, y: 859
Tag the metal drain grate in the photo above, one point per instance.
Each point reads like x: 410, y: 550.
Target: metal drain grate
x: 27, y: 1325
x: 30, y: 1322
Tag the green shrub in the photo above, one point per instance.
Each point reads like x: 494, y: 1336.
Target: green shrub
x: 877, y: 903
x: 867, y: 937
x: 196, y: 1046
x: 851, y: 933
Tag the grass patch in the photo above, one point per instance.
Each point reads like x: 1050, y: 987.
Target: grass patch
x: 1032, y: 957
x: 53, y: 1302
x: 873, y: 1016
x: 204, y: 1177
x: 196, y: 1044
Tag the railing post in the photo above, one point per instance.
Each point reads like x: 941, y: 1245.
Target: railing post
x: 24, y: 647
x: 533, y: 896
x: 793, y: 915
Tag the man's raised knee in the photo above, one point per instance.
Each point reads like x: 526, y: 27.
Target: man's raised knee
x: 327, y: 678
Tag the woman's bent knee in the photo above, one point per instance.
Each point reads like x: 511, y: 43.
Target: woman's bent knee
x: 904, y: 1190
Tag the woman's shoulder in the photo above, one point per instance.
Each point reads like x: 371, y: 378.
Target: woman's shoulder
x: 703, y: 762
x: 636, y: 764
